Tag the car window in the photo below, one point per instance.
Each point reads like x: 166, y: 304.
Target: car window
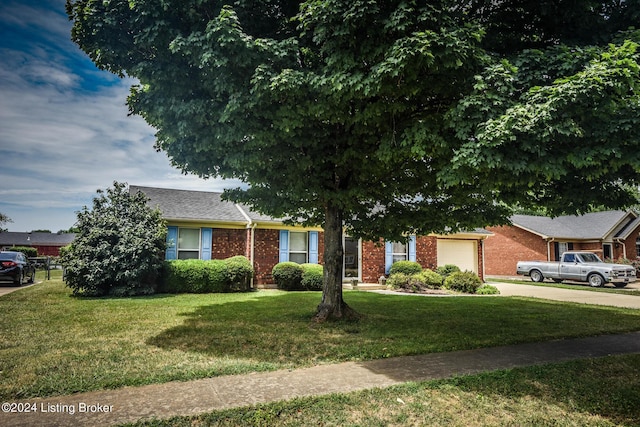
x: 569, y: 257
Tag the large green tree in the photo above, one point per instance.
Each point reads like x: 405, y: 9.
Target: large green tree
x: 384, y: 118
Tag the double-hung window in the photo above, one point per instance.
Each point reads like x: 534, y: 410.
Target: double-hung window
x: 299, y: 246
x: 188, y: 243
x: 399, y: 251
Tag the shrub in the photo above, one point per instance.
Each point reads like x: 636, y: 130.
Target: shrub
x: 463, y: 281
x: 199, y: 276
x: 288, y: 276
x: 239, y: 274
x: 406, y: 282
x: 419, y: 282
x: 487, y: 290
x: 26, y: 250
x: 406, y: 267
x: 118, y: 248
x: 447, y: 269
x: 312, y: 277
x: 432, y: 280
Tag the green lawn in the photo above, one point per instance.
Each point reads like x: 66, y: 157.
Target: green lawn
x: 52, y: 343
x: 600, y: 392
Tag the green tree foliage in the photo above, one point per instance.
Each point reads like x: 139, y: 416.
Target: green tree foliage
x: 384, y: 118
x: 3, y: 220
x: 118, y: 248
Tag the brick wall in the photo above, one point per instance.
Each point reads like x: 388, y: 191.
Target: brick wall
x: 509, y: 245
x: 226, y: 243
x: 427, y: 251
x: 266, y: 252
x: 630, y: 245
x: 372, y: 261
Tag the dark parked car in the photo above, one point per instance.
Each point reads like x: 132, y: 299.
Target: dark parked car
x: 17, y: 267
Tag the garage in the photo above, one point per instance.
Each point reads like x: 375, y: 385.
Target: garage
x: 463, y: 253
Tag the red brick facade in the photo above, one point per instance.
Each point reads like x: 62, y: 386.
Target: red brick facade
x: 511, y: 244
x: 227, y: 242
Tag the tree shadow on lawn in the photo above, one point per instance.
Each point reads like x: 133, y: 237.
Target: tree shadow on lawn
x: 278, y: 328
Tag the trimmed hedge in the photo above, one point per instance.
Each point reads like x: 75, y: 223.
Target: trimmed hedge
x: 463, y: 281
x: 405, y: 267
x: 290, y: 276
x: 312, y: 277
x: 199, y: 276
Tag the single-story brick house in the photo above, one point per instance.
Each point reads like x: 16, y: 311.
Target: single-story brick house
x: 47, y: 244
x: 609, y: 234
x: 201, y: 225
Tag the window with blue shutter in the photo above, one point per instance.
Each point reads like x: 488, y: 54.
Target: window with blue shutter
x: 284, y: 245
x: 313, y: 247
x: 388, y: 256
x: 205, y: 245
x: 172, y: 243
x: 412, y: 248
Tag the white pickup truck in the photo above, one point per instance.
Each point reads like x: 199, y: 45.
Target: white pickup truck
x: 580, y: 267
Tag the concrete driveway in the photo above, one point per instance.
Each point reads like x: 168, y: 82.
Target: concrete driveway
x: 571, y: 295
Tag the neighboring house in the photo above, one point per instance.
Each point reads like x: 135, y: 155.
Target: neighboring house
x: 201, y: 225
x: 609, y: 234
x: 47, y: 244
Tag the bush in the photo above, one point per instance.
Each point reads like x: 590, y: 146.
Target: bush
x: 463, y: 281
x: 288, y: 276
x: 487, y: 290
x: 432, y: 280
x: 447, y: 269
x: 118, y: 248
x: 312, y: 277
x: 239, y: 274
x: 199, y: 276
x: 405, y: 267
x: 26, y: 250
x: 419, y: 282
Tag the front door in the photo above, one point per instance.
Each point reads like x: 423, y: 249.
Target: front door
x: 351, y: 259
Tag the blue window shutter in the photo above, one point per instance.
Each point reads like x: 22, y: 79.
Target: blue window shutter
x: 284, y: 245
x: 412, y: 248
x: 205, y: 250
x: 313, y: 247
x: 388, y: 256
x: 172, y: 243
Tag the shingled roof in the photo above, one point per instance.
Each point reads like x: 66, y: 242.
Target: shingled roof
x: 12, y: 238
x: 596, y: 225
x: 191, y: 205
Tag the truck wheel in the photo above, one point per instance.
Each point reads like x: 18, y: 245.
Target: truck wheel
x: 595, y: 280
x: 536, y: 276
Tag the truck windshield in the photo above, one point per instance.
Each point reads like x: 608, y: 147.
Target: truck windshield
x: 590, y: 258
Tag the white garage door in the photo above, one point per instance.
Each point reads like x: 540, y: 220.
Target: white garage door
x: 463, y: 253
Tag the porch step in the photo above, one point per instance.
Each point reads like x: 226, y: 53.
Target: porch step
x: 364, y: 286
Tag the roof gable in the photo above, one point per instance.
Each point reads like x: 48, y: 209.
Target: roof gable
x: 595, y: 225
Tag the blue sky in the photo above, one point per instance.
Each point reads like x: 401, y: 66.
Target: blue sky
x: 64, y: 128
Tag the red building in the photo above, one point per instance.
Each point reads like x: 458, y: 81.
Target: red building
x: 201, y: 225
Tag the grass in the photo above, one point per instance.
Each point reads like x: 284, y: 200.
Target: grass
x: 52, y: 343
x: 572, y: 286
x: 593, y: 392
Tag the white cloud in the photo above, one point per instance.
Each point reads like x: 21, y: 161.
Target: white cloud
x: 66, y: 131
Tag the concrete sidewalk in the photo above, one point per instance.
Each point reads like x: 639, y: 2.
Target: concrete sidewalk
x: 160, y: 401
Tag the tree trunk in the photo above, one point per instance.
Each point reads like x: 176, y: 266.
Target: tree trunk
x: 333, y: 306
